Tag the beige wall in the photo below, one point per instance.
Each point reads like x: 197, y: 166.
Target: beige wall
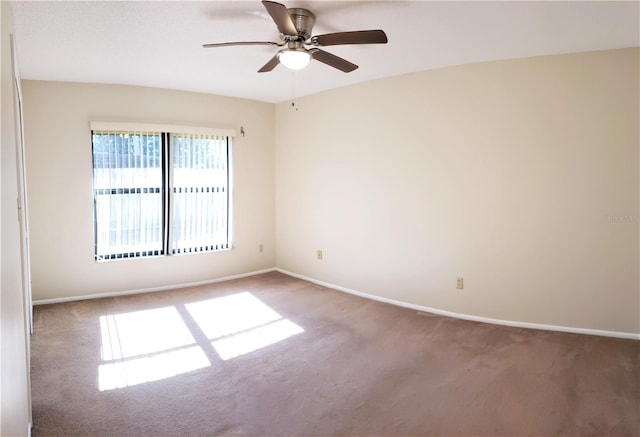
x: 59, y: 167
x: 511, y: 174
x: 14, y: 366
x: 520, y: 176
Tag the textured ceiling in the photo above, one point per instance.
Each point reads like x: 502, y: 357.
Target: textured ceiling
x: 159, y: 44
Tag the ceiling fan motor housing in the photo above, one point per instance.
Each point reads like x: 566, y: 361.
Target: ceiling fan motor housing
x: 304, y: 20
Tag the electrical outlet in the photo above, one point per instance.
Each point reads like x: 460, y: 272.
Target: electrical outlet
x: 319, y: 254
x: 460, y: 283
x: 260, y: 248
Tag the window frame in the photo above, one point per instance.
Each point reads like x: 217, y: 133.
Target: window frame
x: 167, y: 189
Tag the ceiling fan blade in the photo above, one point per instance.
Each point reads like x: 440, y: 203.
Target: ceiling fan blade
x: 273, y: 63
x: 332, y: 60
x: 355, y: 37
x: 242, y: 43
x: 281, y: 17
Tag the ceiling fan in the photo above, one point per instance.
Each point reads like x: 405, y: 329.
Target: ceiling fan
x: 295, y: 25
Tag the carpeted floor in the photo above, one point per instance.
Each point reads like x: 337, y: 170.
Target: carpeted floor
x: 273, y: 355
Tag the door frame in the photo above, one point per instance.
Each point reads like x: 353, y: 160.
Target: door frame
x: 22, y: 214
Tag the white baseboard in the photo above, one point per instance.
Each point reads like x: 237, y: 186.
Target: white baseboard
x: 148, y: 290
x: 627, y: 335
x: 570, y: 329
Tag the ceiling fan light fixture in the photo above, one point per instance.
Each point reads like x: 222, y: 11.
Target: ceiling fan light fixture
x: 294, y: 59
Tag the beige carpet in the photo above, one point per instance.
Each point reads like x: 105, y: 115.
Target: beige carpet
x: 273, y: 355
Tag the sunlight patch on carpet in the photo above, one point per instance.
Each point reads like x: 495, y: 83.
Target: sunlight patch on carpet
x: 150, y: 345
x: 144, y: 346
x: 136, y: 371
x: 240, y: 323
x: 249, y: 341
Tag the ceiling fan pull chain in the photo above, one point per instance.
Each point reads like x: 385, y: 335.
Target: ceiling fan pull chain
x: 293, y: 90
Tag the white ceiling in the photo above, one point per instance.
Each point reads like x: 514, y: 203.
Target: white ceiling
x: 159, y: 43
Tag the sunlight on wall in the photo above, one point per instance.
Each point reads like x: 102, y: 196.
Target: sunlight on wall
x: 240, y: 323
x: 151, y: 345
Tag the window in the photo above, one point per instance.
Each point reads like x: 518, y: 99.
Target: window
x: 159, y: 191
